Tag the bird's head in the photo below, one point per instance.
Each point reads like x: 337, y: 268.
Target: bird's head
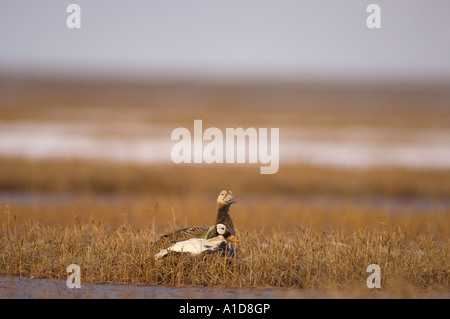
x: 225, y: 198
x: 220, y: 230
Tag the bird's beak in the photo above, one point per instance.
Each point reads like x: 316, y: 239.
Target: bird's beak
x: 234, y: 240
x: 231, y: 201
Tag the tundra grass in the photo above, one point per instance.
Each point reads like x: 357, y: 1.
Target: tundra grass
x: 312, y: 248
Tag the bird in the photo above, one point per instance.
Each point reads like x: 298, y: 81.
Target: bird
x: 224, y: 201
x: 215, y: 241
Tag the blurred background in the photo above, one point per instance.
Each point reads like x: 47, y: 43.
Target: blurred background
x: 363, y: 113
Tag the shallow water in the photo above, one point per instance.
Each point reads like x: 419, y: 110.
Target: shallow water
x: 394, y: 205
x: 14, y: 287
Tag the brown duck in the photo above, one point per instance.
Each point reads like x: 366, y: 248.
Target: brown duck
x: 224, y: 201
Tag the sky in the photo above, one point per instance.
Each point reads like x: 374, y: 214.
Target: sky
x: 299, y: 39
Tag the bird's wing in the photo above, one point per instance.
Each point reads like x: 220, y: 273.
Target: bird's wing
x: 182, y: 234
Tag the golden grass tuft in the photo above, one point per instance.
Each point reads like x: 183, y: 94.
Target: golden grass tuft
x: 292, y: 234
x: 300, y: 257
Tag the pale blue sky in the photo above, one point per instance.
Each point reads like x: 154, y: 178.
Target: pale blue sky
x: 234, y: 38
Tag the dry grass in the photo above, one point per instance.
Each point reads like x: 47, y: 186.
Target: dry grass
x: 304, y: 227
x: 300, y: 258
x: 259, y: 104
x: 284, y: 243
x: 305, y: 180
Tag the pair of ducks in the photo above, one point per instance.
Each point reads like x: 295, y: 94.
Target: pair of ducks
x: 204, y: 239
